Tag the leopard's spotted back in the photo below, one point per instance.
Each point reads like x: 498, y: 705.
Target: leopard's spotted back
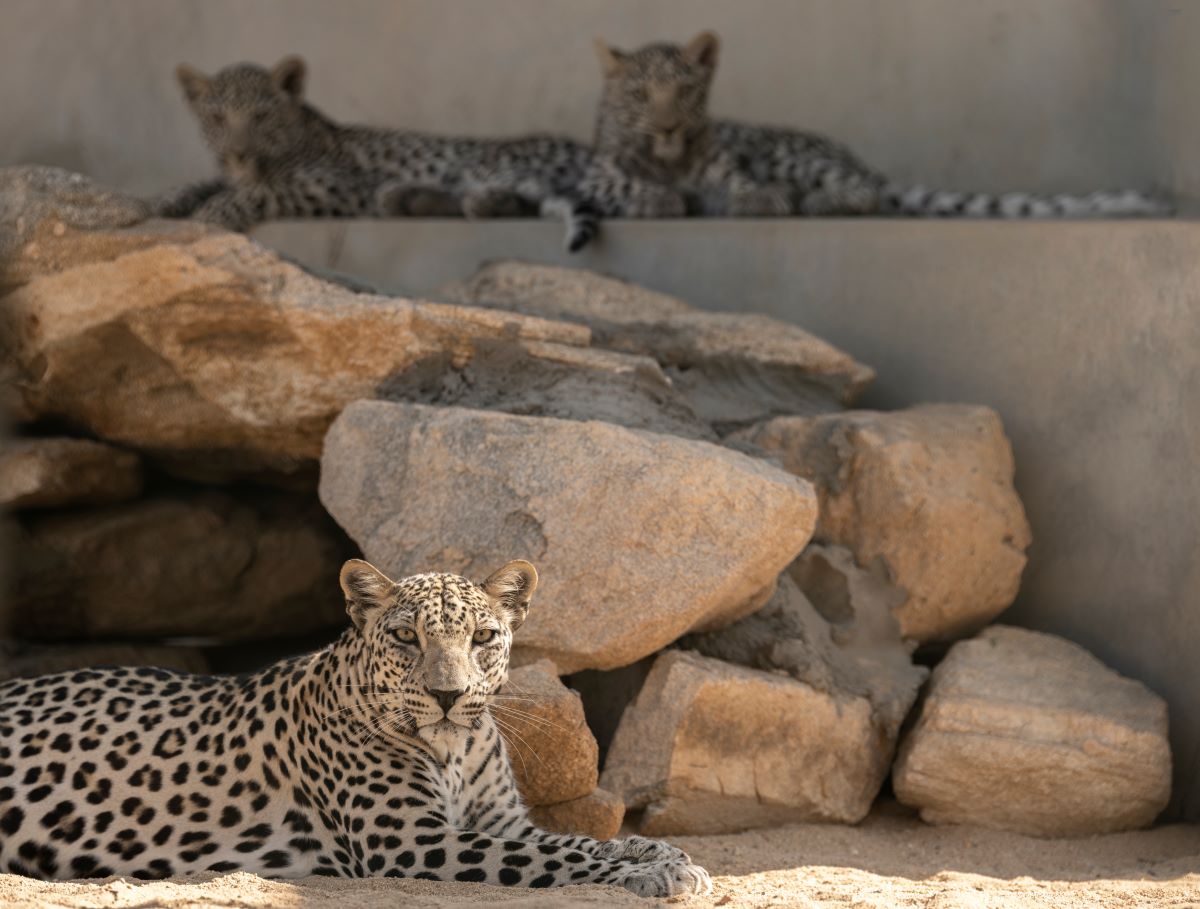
x: 374, y: 756
x: 653, y: 126
x: 281, y: 157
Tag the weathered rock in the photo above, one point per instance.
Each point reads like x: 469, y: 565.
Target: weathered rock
x: 216, y: 358
x: 32, y: 195
x: 927, y: 494
x: 848, y: 646
x: 597, y: 815
x: 709, y: 747
x: 734, y: 368
x: 42, y: 473
x: 205, y: 565
x: 638, y: 537
x: 553, y: 753
x: 1029, y: 732
x: 21, y: 660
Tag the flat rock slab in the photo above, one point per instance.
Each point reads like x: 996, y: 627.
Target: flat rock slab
x: 734, y: 368
x: 1029, y: 732
x: 45, y: 473
x: 204, y: 565
x: 638, y: 537
x: 924, y: 494
x: 710, y: 747
x: 553, y: 753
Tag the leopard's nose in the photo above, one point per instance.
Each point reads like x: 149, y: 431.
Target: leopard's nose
x: 446, y: 699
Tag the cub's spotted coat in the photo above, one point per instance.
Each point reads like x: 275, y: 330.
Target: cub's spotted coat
x: 374, y: 756
x: 282, y: 158
x: 655, y: 142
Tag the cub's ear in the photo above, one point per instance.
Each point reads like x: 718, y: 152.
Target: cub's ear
x: 366, y: 589
x: 511, y: 589
x: 288, y: 76
x: 612, y: 61
x: 194, y: 83
x: 703, y: 49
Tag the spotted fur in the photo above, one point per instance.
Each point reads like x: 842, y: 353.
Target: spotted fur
x: 282, y: 158
x: 653, y: 131
x: 375, y: 756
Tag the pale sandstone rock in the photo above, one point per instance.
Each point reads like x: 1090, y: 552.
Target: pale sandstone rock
x: 43, y: 473
x: 1029, y: 732
x: 638, y: 537
x: 598, y: 815
x: 22, y: 660
x: 205, y: 565
x: 710, y: 747
x: 925, y: 495
x: 552, y: 751
x: 735, y: 368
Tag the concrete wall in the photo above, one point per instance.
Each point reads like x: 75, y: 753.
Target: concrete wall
x: 1083, y: 335
x: 987, y: 94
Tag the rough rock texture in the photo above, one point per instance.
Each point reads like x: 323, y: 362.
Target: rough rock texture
x: 638, y: 537
x: 20, y: 660
x: 43, y: 473
x: 842, y: 640
x: 34, y: 195
x: 734, y: 368
x: 924, y: 494
x: 207, y: 565
x: 710, y: 747
x: 1029, y: 732
x: 216, y: 358
x: 553, y: 753
x: 597, y: 815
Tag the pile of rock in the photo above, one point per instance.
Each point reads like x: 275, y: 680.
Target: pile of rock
x: 196, y: 414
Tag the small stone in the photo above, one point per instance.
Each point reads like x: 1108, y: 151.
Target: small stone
x: 598, y: 815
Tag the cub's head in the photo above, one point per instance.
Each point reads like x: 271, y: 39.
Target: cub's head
x: 655, y: 101
x: 437, y: 644
x: 249, y: 115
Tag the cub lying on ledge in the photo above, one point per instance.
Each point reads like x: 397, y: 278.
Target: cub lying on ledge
x: 374, y: 756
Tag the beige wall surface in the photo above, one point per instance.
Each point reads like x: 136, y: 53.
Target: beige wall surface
x: 986, y: 94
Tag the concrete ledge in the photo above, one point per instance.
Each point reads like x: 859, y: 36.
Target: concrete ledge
x: 1084, y: 335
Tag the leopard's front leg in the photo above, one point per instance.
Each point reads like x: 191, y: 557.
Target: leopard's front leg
x: 454, y: 855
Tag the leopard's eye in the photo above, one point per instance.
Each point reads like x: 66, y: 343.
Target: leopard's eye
x: 483, y: 635
x: 405, y: 635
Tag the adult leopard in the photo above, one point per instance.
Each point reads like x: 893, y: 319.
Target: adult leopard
x: 374, y: 756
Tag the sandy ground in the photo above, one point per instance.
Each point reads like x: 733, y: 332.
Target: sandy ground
x: 891, y: 860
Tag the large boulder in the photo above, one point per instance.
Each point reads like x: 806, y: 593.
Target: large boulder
x: 1028, y: 732
x: 43, y: 473
x: 553, y: 753
x: 710, y: 747
x: 638, y: 537
x: 734, y: 368
x: 204, y: 565
x: 925, y: 495
x: 216, y: 358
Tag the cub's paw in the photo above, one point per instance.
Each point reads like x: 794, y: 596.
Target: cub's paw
x: 760, y: 202
x: 639, y: 849
x: 675, y: 877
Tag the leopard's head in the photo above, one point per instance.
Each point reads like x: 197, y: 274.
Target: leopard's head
x: 437, y: 645
x: 250, y: 116
x: 654, y: 107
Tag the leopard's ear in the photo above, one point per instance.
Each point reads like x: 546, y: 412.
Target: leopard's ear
x: 194, y: 83
x: 510, y: 589
x: 703, y: 49
x: 366, y: 588
x: 288, y: 75
x: 612, y: 61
